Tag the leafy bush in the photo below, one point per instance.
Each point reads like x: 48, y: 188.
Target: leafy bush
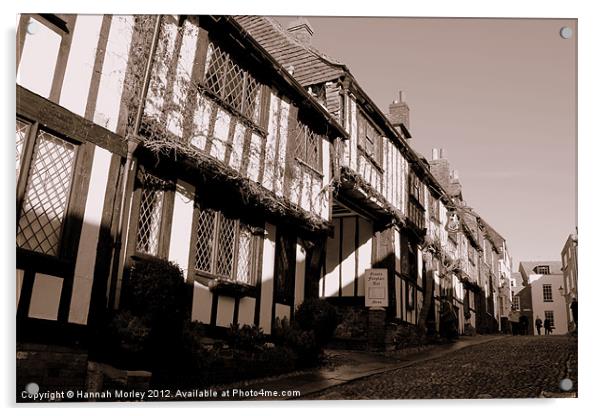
x: 246, y: 338
x: 318, y: 316
x: 353, y: 324
x: 123, y: 341
x: 408, y: 336
x: 302, y: 342
x: 156, y: 289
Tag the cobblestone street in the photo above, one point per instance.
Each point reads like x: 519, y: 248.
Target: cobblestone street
x: 510, y: 367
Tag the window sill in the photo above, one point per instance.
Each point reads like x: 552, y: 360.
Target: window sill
x: 230, y: 288
x: 308, y: 166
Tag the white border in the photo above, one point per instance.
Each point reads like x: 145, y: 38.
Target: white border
x: 589, y: 35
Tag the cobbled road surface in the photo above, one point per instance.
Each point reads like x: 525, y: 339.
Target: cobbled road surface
x: 508, y: 367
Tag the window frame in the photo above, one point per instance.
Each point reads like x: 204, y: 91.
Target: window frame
x: 547, y: 290
x: 305, y: 132
x: 65, y: 251
x: 375, y: 154
x: 516, y: 302
x: 255, y: 266
x: 218, y: 98
x: 164, y: 232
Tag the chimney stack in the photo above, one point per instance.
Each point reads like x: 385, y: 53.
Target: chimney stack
x: 399, y: 113
x: 301, y: 30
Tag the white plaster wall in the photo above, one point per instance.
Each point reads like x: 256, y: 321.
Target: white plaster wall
x: 45, y: 297
x: 38, y: 59
x: 88, y: 242
x: 300, y: 274
x: 181, y: 228
x: 80, y: 64
x: 246, y: 311
x: 114, y: 67
x: 267, y: 278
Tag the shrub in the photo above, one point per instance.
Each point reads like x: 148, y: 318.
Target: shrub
x: 319, y: 316
x: 302, y: 342
x: 123, y: 341
x: 246, y: 338
x: 407, y: 336
x: 156, y: 289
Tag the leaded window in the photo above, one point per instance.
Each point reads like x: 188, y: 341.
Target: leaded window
x: 235, y: 86
x: 22, y: 133
x: 152, y: 199
x: 47, y: 189
x: 308, y: 146
x: 226, y: 248
x: 370, y: 140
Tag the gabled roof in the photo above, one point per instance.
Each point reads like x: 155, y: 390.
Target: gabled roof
x: 494, y: 236
x: 528, y: 266
x: 308, y: 65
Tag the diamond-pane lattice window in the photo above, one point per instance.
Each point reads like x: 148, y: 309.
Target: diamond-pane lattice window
x: 151, y: 213
x: 22, y: 132
x: 308, y: 146
x: 204, y: 242
x: 46, y: 194
x: 244, y: 270
x: 224, y: 248
x: 235, y: 86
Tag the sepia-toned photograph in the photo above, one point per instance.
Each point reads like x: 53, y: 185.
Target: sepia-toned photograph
x: 276, y: 208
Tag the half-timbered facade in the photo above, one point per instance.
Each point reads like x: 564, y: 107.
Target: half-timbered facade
x: 177, y: 137
x: 382, y: 185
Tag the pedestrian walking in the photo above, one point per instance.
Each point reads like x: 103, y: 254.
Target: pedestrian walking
x: 513, y: 317
x: 547, y: 324
x: 538, y: 325
x: 574, y: 311
x: 524, y: 325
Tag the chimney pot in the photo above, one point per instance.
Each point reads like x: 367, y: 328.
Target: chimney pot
x: 301, y: 30
x: 399, y: 112
x: 435, y: 154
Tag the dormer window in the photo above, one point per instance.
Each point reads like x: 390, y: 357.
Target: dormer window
x: 542, y: 270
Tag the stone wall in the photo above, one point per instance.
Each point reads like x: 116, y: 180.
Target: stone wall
x: 51, y: 367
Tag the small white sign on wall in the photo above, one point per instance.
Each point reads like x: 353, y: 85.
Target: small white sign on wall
x: 376, y: 288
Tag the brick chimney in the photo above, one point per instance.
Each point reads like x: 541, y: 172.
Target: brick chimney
x: 399, y: 113
x: 301, y: 30
x: 448, y: 178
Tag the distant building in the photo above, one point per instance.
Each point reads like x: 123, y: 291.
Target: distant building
x: 569, y: 271
x: 542, y: 295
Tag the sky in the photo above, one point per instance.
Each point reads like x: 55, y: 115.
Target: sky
x: 498, y: 95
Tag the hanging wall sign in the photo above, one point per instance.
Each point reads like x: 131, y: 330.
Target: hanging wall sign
x: 376, y: 288
x: 453, y: 222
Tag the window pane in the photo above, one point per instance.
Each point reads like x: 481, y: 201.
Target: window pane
x: 46, y: 195
x: 244, y: 269
x: 225, y: 240
x: 22, y: 132
x: 226, y: 79
x: 308, y: 146
x: 204, y: 242
x: 151, y: 208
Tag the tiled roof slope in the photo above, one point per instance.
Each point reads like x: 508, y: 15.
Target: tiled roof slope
x: 309, y: 66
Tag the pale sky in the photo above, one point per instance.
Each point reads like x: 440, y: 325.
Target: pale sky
x: 499, y: 95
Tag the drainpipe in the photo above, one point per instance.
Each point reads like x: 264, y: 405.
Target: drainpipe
x: 133, y: 141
